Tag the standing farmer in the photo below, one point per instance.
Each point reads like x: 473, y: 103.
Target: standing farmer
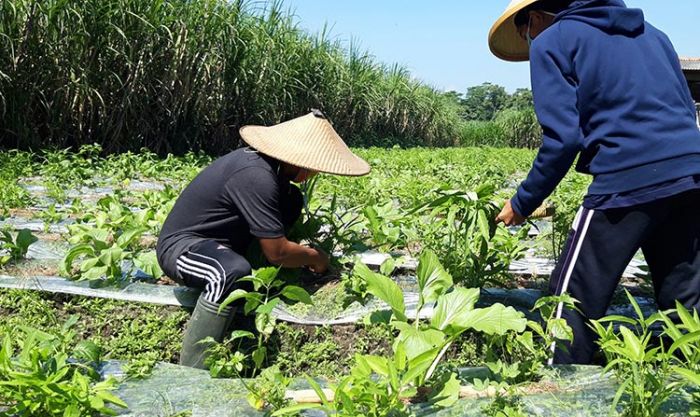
x: 241, y: 197
x: 608, y: 88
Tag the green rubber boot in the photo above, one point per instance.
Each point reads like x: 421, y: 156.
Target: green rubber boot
x: 205, y: 322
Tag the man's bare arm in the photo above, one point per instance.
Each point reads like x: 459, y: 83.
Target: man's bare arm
x: 282, y: 252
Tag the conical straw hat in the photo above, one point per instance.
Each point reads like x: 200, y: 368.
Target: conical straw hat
x: 307, y: 142
x: 504, y: 40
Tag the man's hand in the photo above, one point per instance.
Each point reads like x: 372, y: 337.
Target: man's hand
x: 509, y: 217
x: 320, y: 261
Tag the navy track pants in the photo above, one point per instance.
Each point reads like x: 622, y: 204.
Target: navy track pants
x: 601, y: 245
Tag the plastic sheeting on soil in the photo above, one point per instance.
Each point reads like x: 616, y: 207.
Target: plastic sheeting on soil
x: 172, y: 389
x: 134, y: 292
x: 521, y: 299
x: 529, y: 265
x: 47, y: 250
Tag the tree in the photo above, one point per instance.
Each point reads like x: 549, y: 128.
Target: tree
x: 521, y: 99
x: 483, y: 102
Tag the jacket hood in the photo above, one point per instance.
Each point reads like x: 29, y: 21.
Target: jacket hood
x: 611, y: 16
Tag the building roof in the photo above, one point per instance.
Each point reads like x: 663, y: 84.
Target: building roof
x: 690, y: 64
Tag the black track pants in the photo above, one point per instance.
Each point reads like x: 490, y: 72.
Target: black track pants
x: 601, y: 245
x: 213, y: 267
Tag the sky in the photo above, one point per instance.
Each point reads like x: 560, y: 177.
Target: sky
x: 444, y: 42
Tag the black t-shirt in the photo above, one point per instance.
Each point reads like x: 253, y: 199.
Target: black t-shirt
x: 231, y: 201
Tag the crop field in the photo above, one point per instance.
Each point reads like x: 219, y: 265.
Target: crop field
x: 430, y: 309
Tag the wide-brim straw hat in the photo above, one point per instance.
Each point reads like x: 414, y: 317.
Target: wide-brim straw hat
x: 504, y: 40
x: 306, y: 142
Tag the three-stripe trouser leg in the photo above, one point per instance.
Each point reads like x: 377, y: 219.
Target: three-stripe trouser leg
x: 214, y: 268
x: 598, y: 249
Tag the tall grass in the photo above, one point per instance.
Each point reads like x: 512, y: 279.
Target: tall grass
x: 511, y: 128
x: 173, y: 75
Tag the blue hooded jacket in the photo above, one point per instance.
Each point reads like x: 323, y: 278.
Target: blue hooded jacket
x: 607, y: 85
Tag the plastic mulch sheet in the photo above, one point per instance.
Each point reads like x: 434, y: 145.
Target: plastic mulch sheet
x: 134, y: 292
x: 521, y: 299
x: 172, y: 389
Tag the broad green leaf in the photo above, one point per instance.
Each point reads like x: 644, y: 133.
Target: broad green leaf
x: 433, y: 279
x: 24, y: 239
x: 560, y: 329
x: 388, y: 266
x: 129, y: 236
x: 448, y: 393
x: 268, y: 307
x: 484, y: 226
x: 418, y: 366
x: 72, y: 411
x: 266, y: 275
x: 378, y: 364
x: 66, y: 265
x: 88, y: 351
x: 388, y: 291
x: 496, y: 319
x: 97, y: 272
x: 415, y: 341
x: 97, y: 403
x: 294, y: 293
x: 453, y: 309
x: 148, y: 263
x: 234, y: 296
x: 111, y: 256
x: 258, y: 356
x: 99, y: 235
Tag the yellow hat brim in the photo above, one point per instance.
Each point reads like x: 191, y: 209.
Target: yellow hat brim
x: 504, y: 40
x: 307, y: 142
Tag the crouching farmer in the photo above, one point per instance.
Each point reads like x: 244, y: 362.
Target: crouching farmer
x: 241, y: 197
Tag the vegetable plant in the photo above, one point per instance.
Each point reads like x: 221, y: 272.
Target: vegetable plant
x: 14, y: 248
x: 101, y: 256
x: 461, y: 229
x: 643, y: 369
x: 42, y: 374
x: 380, y: 386
x: 269, y: 290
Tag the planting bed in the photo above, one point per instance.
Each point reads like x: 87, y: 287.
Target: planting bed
x: 432, y: 211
